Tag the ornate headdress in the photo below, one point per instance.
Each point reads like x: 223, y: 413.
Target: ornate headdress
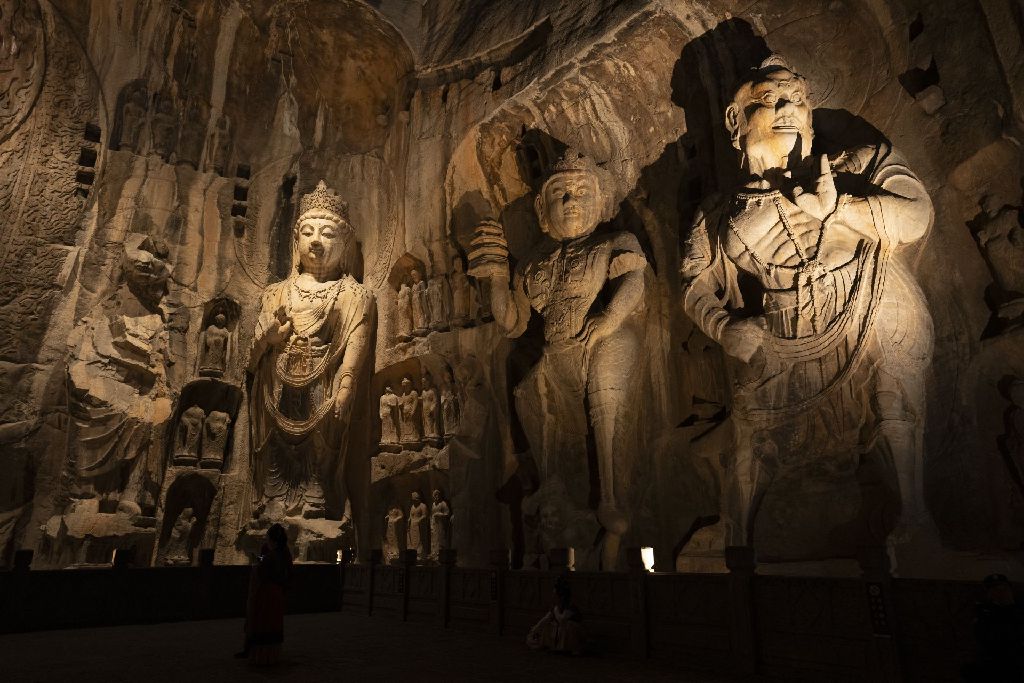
x: 572, y: 161
x: 323, y: 202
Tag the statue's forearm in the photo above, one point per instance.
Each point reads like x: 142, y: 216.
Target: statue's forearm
x: 705, y: 309
x: 503, y: 304
x: 626, y: 298
x: 358, y: 348
x: 906, y: 208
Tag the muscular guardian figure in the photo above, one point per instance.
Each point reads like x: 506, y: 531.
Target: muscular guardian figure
x: 832, y: 362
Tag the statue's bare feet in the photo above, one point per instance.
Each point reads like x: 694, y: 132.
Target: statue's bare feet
x: 129, y: 507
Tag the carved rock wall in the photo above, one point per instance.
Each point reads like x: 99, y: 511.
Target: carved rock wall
x: 200, y: 124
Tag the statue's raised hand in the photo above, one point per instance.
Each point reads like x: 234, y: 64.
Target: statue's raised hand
x: 279, y: 330
x: 488, y: 252
x: 822, y: 201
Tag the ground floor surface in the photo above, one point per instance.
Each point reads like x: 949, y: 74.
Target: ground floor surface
x: 318, y: 647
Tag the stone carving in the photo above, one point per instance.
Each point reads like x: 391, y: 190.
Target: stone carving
x: 394, y: 536
x: 215, y: 439
x: 1002, y: 242
x: 461, y: 292
x: 439, y: 297
x: 178, y: 551
x: 420, y: 305
x: 190, y: 432
x: 164, y: 129
x: 417, y: 532
x: 586, y: 354
x: 214, y: 348
x: 311, y: 343
x: 450, y: 411
x: 428, y: 410
x: 404, y: 321
x: 835, y: 365
x: 410, y: 424
x: 440, y: 516
x: 133, y: 118
x: 22, y: 62
x: 117, y: 379
x: 389, y: 419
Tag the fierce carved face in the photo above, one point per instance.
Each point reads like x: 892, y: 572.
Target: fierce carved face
x: 569, y: 205
x: 146, y: 271
x: 770, y: 116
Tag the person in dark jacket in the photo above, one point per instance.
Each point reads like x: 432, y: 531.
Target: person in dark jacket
x: 560, y: 630
x: 264, y: 615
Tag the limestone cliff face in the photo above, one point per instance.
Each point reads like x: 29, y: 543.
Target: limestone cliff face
x: 189, y: 130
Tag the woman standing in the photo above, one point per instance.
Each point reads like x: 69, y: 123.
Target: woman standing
x: 264, y: 616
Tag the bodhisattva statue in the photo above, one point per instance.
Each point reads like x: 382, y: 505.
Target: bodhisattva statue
x: 214, y: 350
x: 389, y: 434
x: 440, y: 515
x: 420, y: 305
x: 428, y: 410
x: 417, y: 531
x: 394, y: 534
x: 589, y: 353
x: 462, y: 298
x: 190, y: 431
x: 310, y: 346
x: 835, y: 364
x: 439, y: 296
x: 410, y: 425
x: 179, y: 551
x: 404, y: 322
x: 215, y: 439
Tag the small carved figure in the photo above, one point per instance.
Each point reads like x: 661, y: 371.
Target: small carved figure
x: 461, y: 295
x: 215, y: 439
x: 590, y: 349
x: 417, y: 532
x: 133, y: 117
x: 389, y: 419
x: 439, y: 296
x: 310, y: 346
x: 190, y: 430
x: 214, y: 348
x: 410, y: 426
x: 449, y: 406
x: 394, y: 534
x: 420, y: 305
x: 440, y: 515
x: 179, y: 546
x: 404, y: 319
x: 165, y: 130
x: 428, y: 407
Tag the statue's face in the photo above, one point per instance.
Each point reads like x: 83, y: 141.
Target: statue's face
x: 321, y: 244
x: 437, y: 496
x: 415, y: 498
x: 414, y: 275
x: 569, y: 205
x: 220, y: 320
x: 146, y: 272
x: 772, y: 116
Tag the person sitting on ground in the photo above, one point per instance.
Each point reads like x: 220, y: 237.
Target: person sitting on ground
x: 264, y: 616
x: 999, y: 631
x: 560, y: 630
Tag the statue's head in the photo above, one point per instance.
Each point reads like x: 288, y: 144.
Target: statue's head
x: 406, y: 384
x: 387, y: 389
x: 569, y: 203
x: 220, y: 320
x: 414, y: 275
x: 145, y: 267
x: 437, y: 495
x: 427, y: 380
x: 770, y: 114
x: 415, y: 497
x: 322, y: 234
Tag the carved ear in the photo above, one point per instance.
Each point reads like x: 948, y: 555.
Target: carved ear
x: 732, y: 123
x: 538, y: 207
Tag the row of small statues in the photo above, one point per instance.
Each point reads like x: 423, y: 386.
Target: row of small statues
x: 201, y: 439
x: 440, y: 304
x: 410, y: 421
x: 415, y: 536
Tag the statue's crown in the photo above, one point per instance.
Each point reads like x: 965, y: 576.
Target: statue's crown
x: 776, y: 62
x: 323, y: 199
x: 570, y: 161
